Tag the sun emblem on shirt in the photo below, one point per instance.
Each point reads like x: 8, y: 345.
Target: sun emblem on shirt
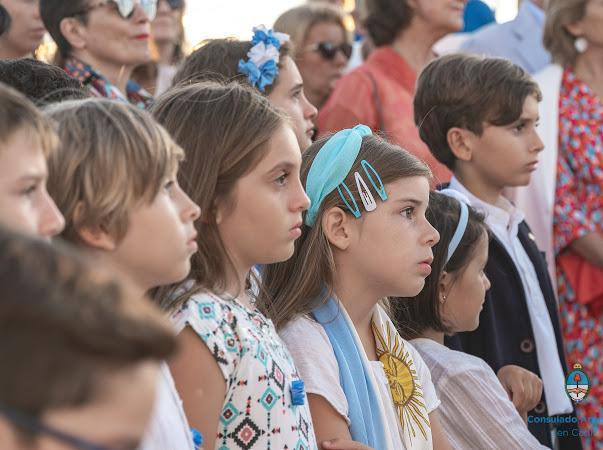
x: 403, y: 381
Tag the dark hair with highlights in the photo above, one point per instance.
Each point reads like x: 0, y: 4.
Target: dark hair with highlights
x: 468, y: 92
x: 415, y: 315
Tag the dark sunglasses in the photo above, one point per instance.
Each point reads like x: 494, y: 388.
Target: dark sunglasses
x: 175, y: 4
x: 329, y: 50
x: 125, y: 7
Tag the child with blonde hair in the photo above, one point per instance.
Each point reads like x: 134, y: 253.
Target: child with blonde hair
x: 114, y: 177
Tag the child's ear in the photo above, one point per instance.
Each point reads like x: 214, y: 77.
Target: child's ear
x: 575, y: 28
x: 73, y: 31
x: 337, y: 227
x: 444, y: 286
x: 460, y: 142
x: 95, y: 237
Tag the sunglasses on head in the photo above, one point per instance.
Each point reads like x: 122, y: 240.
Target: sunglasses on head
x: 175, y: 4
x: 126, y: 7
x: 328, y: 50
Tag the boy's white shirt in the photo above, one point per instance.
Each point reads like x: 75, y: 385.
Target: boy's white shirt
x: 503, y: 219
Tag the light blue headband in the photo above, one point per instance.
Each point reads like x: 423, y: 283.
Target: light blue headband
x: 332, y: 165
x: 463, y: 220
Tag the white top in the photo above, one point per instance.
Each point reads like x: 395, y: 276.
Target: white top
x: 475, y: 411
x: 503, y: 220
x: 258, y: 410
x: 168, y: 427
x: 308, y: 343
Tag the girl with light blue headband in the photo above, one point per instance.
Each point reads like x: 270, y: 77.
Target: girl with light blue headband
x: 365, y: 238
x: 475, y: 410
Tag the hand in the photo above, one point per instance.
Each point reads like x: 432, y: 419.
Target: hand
x: 344, y: 444
x: 523, y: 387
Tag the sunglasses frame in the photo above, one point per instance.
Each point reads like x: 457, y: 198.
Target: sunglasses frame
x: 328, y: 50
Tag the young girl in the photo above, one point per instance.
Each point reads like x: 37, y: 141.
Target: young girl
x: 237, y: 380
x: 263, y: 63
x: 475, y: 411
x: 364, y: 238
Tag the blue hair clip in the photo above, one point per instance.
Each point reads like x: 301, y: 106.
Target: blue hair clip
x: 262, y: 66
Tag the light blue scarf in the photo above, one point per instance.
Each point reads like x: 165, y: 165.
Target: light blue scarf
x: 366, y: 423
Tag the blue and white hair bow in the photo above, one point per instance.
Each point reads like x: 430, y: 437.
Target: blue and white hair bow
x: 262, y: 66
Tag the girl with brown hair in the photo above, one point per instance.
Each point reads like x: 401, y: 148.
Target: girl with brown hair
x: 364, y: 238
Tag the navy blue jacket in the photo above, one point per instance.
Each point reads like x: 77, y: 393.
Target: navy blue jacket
x: 505, y: 334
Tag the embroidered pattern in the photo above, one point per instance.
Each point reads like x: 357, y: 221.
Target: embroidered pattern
x: 258, y: 410
x: 404, y: 384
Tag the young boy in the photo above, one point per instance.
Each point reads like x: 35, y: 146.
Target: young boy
x: 479, y: 116
x: 79, y: 351
x: 114, y: 179
x: 27, y: 138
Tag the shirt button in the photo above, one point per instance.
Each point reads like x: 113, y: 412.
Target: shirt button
x: 527, y: 346
x: 540, y: 408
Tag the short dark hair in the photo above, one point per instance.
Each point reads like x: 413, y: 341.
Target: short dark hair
x: 218, y: 60
x: 40, y: 82
x: 414, y: 315
x: 53, y: 12
x: 386, y: 19
x: 65, y: 323
x: 468, y: 91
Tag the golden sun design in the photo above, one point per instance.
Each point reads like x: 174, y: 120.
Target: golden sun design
x: 403, y: 381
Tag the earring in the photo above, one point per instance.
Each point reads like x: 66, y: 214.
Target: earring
x: 443, y: 299
x: 581, y: 44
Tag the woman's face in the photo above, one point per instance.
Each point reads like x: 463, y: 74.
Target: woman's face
x: 462, y: 298
x: 591, y: 25
x: 168, y: 24
x: 26, y: 30
x: 110, y: 39
x: 443, y: 16
x: 320, y: 70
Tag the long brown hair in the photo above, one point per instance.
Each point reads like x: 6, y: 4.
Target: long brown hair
x: 224, y: 131
x: 294, y: 287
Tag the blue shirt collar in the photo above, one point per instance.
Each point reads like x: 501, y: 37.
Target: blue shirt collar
x: 535, y: 11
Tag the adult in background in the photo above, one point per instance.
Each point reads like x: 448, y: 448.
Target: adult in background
x: 321, y: 48
x: 380, y: 92
x: 519, y: 40
x: 168, y: 36
x: 564, y: 201
x: 101, y: 42
x: 23, y: 29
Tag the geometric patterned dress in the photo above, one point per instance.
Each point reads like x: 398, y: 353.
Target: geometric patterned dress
x: 578, y: 211
x: 258, y: 410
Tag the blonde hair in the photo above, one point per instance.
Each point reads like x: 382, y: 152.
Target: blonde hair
x: 292, y: 288
x: 18, y: 113
x: 557, y: 39
x: 297, y: 22
x: 224, y: 130
x: 113, y: 156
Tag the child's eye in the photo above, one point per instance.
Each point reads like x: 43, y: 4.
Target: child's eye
x: 169, y: 185
x: 520, y: 127
x: 408, y: 212
x: 296, y: 94
x: 29, y: 190
x: 282, y: 179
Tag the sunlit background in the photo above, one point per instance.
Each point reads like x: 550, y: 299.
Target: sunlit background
x: 220, y: 18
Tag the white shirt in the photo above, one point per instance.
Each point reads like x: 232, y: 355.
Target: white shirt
x: 315, y: 359
x: 169, y: 427
x: 503, y: 220
x: 475, y: 411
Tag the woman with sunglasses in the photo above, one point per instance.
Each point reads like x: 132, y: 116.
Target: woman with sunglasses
x: 100, y: 42
x: 321, y: 46
x: 167, y: 31
x: 380, y: 92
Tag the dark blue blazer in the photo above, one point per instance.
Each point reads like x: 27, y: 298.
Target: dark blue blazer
x: 505, y: 334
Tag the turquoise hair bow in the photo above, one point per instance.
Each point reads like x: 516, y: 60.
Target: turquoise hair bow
x: 331, y: 166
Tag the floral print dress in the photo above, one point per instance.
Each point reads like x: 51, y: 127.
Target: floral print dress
x: 578, y: 211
